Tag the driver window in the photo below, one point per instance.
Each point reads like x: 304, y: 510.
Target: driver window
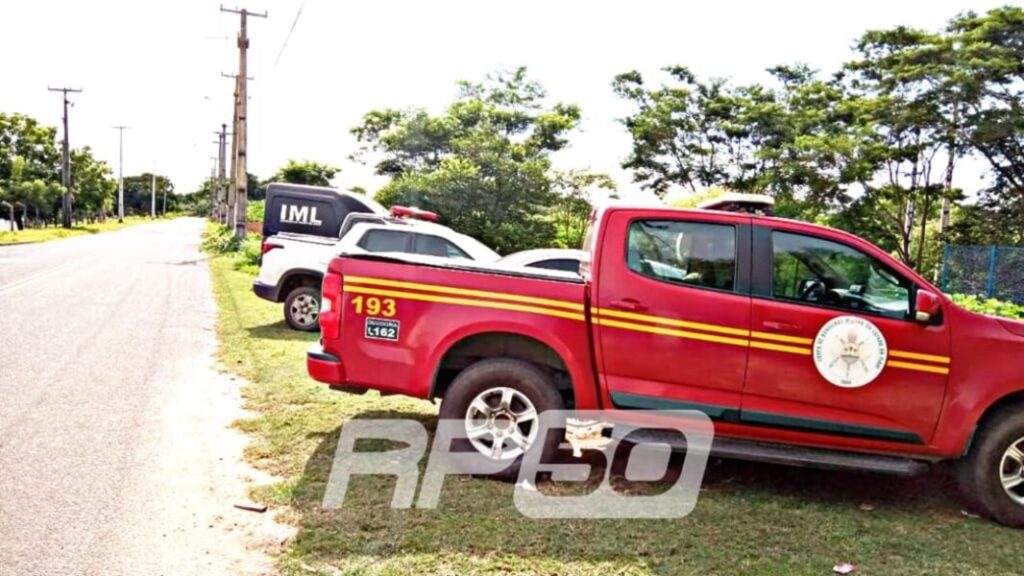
x: 827, y: 273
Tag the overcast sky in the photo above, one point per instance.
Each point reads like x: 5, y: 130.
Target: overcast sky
x: 155, y: 65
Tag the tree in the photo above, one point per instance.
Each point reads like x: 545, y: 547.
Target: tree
x: 29, y: 163
x: 483, y: 165
x: 94, y: 185
x: 573, y: 205
x: 992, y: 55
x: 797, y: 142
x: 305, y: 172
x: 138, y: 191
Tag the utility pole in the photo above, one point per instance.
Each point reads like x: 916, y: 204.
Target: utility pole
x: 120, y: 171
x: 218, y: 183
x: 222, y: 153
x: 241, y: 130
x: 230, y: 176
x: 152, y: 197
x: 66, y: 169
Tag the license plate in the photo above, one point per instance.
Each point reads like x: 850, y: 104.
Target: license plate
x: 380, y: 329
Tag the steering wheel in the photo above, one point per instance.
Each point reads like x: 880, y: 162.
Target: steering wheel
x: 813, y: 290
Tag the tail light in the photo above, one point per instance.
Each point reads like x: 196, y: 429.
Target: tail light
x: 330, y: 306
x: 268, y: 246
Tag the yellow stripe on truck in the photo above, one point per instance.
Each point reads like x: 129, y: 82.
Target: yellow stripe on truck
x: 440, y: 289
x: 919, y: 356
x: 670, y: 322
x: 618, y: 319
x: 670, y: 332
x: 918, y: 367
x: 462, y: 301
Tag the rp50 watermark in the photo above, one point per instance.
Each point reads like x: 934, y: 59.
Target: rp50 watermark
x: 649, y: 439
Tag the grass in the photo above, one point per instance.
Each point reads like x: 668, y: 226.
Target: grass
x: 51, y: 233
x: 750, y: 519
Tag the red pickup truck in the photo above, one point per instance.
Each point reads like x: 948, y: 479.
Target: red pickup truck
x: 804, y: 345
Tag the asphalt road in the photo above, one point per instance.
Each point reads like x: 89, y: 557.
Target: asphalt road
x: 115, y: 451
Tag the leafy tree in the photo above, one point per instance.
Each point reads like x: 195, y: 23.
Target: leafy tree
x: 94, y: 186
x: 571, y: 210
x: 799, y: 142
x: 305, y: 172
x: 992, y: 55
x: 138, y: 191
x: 29, y: 163
x: 483, y: 165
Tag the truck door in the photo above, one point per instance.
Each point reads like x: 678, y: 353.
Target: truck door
x: 671, y: 310
x: 834, y: 348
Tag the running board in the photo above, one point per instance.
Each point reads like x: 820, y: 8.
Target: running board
x: 790, y: 455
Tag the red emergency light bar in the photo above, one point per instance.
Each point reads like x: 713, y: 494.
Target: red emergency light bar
x: 408, y: 212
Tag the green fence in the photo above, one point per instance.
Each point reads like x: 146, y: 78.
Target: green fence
x: 991, y: 271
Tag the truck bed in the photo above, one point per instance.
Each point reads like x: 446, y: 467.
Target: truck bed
x: 404, y: 321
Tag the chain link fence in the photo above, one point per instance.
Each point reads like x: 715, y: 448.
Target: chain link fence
x: 991, y: 271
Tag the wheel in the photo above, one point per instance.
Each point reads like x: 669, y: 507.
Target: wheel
x: 991, y: 477
x: 499, y: 400
x: 302, y: 309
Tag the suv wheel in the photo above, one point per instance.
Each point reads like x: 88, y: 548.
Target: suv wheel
x: 499, y: 401
x: 991, y: 477
x: 302, y: 309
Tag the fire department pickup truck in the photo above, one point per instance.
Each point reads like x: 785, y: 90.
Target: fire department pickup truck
x: 804, y: 344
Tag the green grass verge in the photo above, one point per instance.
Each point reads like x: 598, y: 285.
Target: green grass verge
x: 46, y: 234
x: 750, y: 519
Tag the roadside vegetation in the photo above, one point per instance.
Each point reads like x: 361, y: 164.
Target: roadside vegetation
x: 751, y: 518
x: 53, y: 233
x: 990, y: 306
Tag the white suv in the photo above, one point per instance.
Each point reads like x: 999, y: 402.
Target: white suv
x: 293, y: 265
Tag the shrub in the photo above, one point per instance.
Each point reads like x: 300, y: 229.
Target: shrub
x: 219, y: 239
x: 989, y: 306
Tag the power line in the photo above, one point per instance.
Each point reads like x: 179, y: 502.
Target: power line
x: 290, y: 30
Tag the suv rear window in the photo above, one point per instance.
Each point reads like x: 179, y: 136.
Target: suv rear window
x: 385, y: 241
x: 431, y: 245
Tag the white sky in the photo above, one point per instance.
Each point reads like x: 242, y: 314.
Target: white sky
x: 155, y: 65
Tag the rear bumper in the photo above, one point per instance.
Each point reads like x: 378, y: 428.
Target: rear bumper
x: 265, y: 291
x: 324, y: 367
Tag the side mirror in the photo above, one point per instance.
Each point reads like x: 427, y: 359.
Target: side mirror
x: 926, y: 306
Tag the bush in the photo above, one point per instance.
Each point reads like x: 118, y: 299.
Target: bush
x: 254, y: 210
x: 219, y: 239
x: 248, y: 258
x: 989, y: 306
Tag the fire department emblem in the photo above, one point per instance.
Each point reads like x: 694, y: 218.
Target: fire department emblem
x: 850, y: 352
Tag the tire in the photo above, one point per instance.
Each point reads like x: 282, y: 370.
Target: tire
x: 302, y: 309
x: 487, y: 380
x: 996, y: 454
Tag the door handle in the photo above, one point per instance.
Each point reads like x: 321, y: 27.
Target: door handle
x: 780, y: 326
x: 631, y: 304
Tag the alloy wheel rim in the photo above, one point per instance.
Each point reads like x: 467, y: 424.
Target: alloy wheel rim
x: 501, y: 423
x: 1011, y: 471
x: 305, y: 309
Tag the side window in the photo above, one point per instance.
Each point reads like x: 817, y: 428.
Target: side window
x: 563, y: 264
x: 436, y: 246
x: 827, y: 273
x: 689, y: 253
x: 379, y: 240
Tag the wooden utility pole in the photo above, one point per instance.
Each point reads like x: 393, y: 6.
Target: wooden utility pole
x: 219, y: 193
x: 120, y: 172
x: 240, y: 171
x: 66, y: 165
